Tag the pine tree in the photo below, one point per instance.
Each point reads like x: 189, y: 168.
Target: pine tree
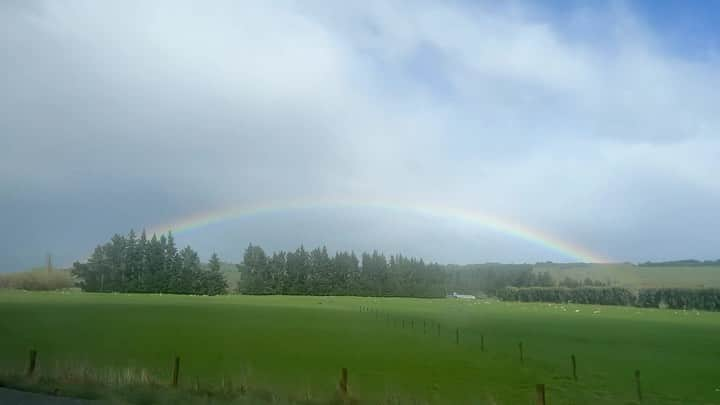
x: 214, y: 263
x: 143, y: 271
x: 132, y: 262
x: 155, y: 264
x: 216, y: 283
x: 188, y: 278
x: 174, y: 279
x: 255, y: 262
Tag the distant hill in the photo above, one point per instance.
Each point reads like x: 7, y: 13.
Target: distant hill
x: 682, y: 263
x: 634, y: 276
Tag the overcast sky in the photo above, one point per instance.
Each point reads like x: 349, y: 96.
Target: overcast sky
x: 599, y: 125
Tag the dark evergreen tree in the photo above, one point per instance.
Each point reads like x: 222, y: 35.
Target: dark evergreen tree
x: 215, y: 283
x: 143, y: 271
x: 316, y: 273
x: 129, y: 264
x: 155, y: 265
x: 132, y: 259
x: 255, y: 275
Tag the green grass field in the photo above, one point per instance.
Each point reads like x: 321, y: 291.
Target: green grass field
x: 296, y: 346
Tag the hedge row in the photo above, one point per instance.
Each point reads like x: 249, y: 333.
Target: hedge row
x: 706, y: 299
x: 580, y: 295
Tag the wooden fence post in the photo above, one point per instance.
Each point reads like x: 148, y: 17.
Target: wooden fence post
x: 343, y: 381
x: 637, y: 383
x: 522, y: 359
x: 540, y: 394
x: 32, y: 361
x: 176, y: 372
x: 574, y: 367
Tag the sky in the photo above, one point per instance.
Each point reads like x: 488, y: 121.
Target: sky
x: 362, y: 125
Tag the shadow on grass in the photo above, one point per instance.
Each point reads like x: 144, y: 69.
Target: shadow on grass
x: 86, y: 385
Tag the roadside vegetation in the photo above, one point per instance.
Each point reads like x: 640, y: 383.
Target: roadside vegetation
x: 38, y: 280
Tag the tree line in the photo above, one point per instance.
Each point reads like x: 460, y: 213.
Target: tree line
x: 138, y: 264
x: 705, y: 299
x: 489, y: 278
x: 587, y: 282
x: 315, y: 272
x: 577, y: 295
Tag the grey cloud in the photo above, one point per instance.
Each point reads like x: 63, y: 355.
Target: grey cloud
x: 125, y: 114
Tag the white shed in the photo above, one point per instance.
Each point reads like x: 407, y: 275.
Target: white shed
x: 462, y: 296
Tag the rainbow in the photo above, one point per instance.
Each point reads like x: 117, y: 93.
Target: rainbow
x: 492, y: 222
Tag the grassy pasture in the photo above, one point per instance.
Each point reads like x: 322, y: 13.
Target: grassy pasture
x: 295, y: 346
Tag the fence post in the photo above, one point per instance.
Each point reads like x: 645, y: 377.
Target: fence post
x: 574, y: 367
x: 540, y: 393
x: 176, y: 372
x: 343, y: 381
x: 637, y: 383
x: 31, y: 362
x: 520, y: 346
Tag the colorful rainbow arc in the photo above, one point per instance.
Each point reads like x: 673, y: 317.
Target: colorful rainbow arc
x: 494, y: 223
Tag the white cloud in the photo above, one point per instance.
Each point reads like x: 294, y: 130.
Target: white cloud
x: 272, y: 100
